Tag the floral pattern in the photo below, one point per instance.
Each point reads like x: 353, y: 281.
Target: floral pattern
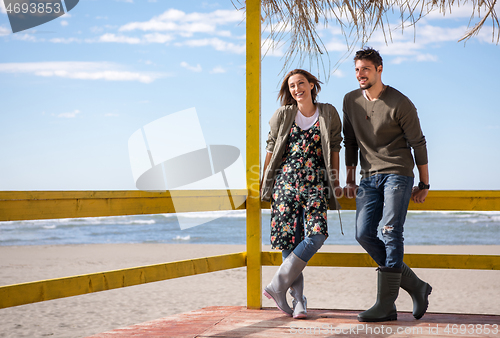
x: 299, y: 200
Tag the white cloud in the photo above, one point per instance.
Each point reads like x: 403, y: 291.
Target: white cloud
x: 147, y: 38
x: 399, y: 60
x: 69, y: 115
x: 409, y: 45
x: 225, y: 34
x: 272, y: 48
x: 64, y: 23
x: 174, y: 24
x: 64, y: 40
x: 109, y: 37
x: 416, y: 43
x: 458, y: 11
x: 426, y: 57
x: 281, y: 27
x: 4, y: 31
x: 111, y: 115
x: 417, y: 58
x: 79, y: 70
x: 216, y: 43
x: 338, y: 73
x: 191, y: 68
x: 180, y: 22
x: 218, y: 70
x: 336, y: 45
x: 25, y: 37
x: 413, y: 46
x: 157, y: 38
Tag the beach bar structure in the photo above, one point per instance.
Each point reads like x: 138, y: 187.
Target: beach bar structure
x: 30, y: 205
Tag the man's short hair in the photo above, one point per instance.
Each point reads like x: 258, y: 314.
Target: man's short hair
x: 370, y: 54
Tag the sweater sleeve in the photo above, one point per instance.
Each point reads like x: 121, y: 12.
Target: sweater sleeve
x: 335, y: 130
x: 274, y: 124
x: 410, y: 124
x: 350, y: 143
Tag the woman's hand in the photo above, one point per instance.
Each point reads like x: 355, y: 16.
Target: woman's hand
x: 339, y: 192
x: 350, y: 190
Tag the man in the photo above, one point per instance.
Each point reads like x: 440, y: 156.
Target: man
x: 383, y: 125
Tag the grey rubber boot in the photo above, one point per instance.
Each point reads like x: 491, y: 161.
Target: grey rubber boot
x: 289, y: 270
x: 418, y: 290
x: 299, y: 301
x: 388, y: 282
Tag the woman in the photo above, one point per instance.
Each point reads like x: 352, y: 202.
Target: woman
x: 301, y: 179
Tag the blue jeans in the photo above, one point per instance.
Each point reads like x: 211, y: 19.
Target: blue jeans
x: 307, y: 248
x: 383, y: 197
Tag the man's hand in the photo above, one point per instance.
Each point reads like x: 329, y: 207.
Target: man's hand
x: 418, y: 196
x: 350, y: 190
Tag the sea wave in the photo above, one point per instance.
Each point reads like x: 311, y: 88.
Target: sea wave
x: 213, y: 214
x: 150, y: 221
x: 182, y: 238
x: 53, y: 226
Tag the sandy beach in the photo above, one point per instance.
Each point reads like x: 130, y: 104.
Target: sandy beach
x: 455, y: 291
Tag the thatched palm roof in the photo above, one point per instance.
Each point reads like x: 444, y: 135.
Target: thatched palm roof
x: 297, y: 20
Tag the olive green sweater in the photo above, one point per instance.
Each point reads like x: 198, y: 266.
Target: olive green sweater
x: 384, y: 131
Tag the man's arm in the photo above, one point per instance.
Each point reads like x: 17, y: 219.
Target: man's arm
x: 350, y: 187
x: 351, y: 155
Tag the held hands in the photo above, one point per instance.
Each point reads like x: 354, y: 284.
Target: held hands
x: 338, y: 191
x: 350, y: 190
x: 418, y: 196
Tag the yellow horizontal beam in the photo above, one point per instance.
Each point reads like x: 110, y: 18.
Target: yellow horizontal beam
x: 429, y: 261
x: 460, y: 200
x: 463, y: 200
x: 28, y: 205
x: 26, y: 293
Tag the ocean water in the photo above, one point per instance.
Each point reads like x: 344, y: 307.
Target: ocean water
x: 421, y: 228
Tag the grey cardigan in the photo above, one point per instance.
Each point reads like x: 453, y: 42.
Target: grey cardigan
x: 280, y: 124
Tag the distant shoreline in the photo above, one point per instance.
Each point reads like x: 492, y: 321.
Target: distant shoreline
x: 223, y: 228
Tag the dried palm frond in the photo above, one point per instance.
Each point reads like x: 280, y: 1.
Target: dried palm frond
x: 295, y: 22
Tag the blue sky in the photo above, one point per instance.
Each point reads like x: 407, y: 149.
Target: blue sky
x: 72, y: 91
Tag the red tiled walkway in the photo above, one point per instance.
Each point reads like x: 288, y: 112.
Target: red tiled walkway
x: 237, y: 321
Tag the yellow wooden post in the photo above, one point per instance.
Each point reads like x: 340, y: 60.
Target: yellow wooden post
x: 254, y: 236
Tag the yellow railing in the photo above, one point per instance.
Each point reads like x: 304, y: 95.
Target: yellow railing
x: 28, y: 205
x: 33, y: 292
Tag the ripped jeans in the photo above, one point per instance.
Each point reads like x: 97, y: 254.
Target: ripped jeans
x: 383, y: 198
x: 307, y: 248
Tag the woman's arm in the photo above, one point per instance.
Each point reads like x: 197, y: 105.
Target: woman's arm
x: 335, y: 168
x: 266, y: 163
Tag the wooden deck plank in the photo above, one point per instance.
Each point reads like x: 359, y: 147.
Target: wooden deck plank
x: 238, y: 321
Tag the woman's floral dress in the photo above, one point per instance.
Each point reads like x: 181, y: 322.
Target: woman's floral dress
x: 299, y: 199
